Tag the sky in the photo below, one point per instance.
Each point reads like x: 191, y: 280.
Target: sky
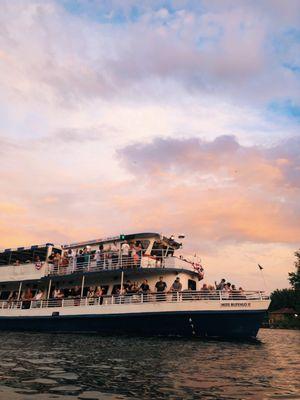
x: 178, y: 117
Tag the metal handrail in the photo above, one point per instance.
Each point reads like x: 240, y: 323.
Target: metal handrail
x: 112, y: 261
x: 134, y: 298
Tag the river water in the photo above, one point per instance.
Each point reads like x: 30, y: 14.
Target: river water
x: 67, y: 367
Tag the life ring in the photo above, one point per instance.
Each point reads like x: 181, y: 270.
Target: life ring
x: 38, y: 265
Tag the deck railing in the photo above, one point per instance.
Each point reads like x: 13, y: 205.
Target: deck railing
x: 137, y: 298
x: 113, y: 261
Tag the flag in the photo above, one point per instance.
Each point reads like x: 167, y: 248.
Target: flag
x: 260, y: 267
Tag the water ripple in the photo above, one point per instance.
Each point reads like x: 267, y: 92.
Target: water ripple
x: 90, y: 367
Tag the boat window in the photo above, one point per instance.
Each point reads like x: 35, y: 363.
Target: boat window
x: 23, y: 255
x: 191, y: 284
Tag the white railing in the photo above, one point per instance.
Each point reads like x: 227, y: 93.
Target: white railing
x: 113, y: 261
x: 135, y: 298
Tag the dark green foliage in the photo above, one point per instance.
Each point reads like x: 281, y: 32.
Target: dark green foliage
x: 285, y: 298
x: 294, y: 277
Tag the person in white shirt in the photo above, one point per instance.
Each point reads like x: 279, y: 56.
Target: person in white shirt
x: 125, y: 254
x: 114, y: 248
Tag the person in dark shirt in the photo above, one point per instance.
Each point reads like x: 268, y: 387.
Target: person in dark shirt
x: 145, y: 288
x: 160, y: 287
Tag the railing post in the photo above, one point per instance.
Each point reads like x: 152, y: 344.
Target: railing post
x: 177, y: 297
x: 142, y: 297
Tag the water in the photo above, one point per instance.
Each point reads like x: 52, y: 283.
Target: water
x: 67, y: 367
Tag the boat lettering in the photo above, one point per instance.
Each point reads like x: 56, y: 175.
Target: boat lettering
x: 236, y: 304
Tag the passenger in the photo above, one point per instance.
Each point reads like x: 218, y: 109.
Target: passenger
x: 139, y: 251
x: 17, y: 262
x: 134, y: 258
x: 226, y: 291
x: 176, y: 286
x: 144, y: 288
x: 13, y: 296
x: 80, y: 261
x: 91, y: 295
x: 86, y: 257
x: 128, y: 286
x: 39, y: 295
x: 125, y: 254
x: 56, y: 262
x: 114, y: 254
x: 38, y: 298
x: 134, y: 288
x: 100, y: 257
x: 160, y: 287
x: 26, y: 298
x: 51, y: 258
x: 59, y: 297
x: 204, y: 292
x: 68, y: 293
x: 242, y: 294
x: 64, y: 263
x: 220, y: 286
x: 77, y: 295
x: 234, y: 293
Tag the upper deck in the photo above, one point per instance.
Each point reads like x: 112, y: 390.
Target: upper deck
x: 134, y: 251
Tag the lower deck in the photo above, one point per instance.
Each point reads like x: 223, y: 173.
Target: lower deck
x: 179, y: 313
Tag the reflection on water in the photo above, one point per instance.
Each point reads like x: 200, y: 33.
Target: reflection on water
x: 40, y: 366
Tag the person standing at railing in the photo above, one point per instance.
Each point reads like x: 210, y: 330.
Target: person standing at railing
x: 160, y: 287
x: 134, y: 256
x: 145, y: 289
x: 139, y: 251
x: 125, y: 254
x: 38, y: 298
x: 176, y: 286
x: 220, y: 286
x: 91, y: 295
x: 99, y: 257
x: 64, y: 262
x: 56, y: 261
x: 26, y: 298
x: 114, y: 254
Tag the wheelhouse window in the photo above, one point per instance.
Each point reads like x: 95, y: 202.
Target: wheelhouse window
x: 24, y: 255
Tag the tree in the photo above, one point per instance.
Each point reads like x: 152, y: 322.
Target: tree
x: 294, y: 277
x: 285, y: 298
x: 289, y: 298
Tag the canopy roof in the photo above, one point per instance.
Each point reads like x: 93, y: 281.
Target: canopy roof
x: 123, y: 237
x: 24, y: 254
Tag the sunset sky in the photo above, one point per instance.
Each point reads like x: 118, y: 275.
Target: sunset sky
x: 165, y: 116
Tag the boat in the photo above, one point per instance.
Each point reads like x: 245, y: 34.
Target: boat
x: 129, y: 284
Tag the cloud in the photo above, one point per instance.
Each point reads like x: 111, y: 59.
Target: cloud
x: 223, y: 157
x: 226, y: 48
x: 220, y: 189
x: 118, y: 116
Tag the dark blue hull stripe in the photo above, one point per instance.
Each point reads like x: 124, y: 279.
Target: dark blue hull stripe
x: 240, y: 324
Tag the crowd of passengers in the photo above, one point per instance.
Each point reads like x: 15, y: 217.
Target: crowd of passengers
x: 227, y: 289
x: 127, y: 255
